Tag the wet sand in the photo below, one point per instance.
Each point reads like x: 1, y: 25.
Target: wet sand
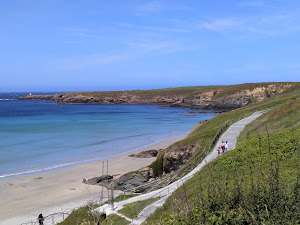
x: 23, y: 199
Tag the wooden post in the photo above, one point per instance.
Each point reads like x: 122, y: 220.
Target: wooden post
x: 107, y: 180
x: 107, y: 167
x: 102, y: 185
x: 112, y: 195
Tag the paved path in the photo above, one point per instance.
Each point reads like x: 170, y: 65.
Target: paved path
x: 230, y: 135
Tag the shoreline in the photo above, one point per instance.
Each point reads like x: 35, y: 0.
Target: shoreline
x: 24, y: 198
x: 7, y: 178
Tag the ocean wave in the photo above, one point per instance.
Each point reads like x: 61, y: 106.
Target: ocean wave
x: 29, y: 172
x: 5, y: 99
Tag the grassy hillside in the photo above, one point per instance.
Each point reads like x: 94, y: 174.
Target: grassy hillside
x: 185, y: 91
x: 257, y: 183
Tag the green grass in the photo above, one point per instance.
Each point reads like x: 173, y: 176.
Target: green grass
x: 257, y: 183
x: 222, y: 90
x: 187, y: 91
x: 131, y: 210
x: 124, y: 197
x: 81, y: 216
x: 114, y: 219
x: 251, y: 184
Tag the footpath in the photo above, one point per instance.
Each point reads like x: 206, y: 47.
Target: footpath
x: 230, y: 135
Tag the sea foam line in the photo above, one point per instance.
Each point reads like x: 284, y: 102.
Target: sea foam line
x: 47, y: 168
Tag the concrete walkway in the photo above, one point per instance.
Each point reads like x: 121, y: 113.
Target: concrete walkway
x: 230, y: 135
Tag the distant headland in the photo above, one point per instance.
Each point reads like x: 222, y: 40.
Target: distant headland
x: 226, y: 97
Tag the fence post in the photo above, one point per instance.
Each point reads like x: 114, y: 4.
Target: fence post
x: 112, y: 195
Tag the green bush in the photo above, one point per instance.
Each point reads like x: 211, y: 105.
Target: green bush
x: 158, y: 165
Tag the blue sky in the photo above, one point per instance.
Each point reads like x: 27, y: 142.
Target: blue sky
x: 56, y: 45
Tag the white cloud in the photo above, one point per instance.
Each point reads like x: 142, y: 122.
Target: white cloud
x: 159, y: 29
x: 252, y: 3
x: 222, y: 24
x: 249, y: 68
x: 157, y: 7
x: 85, y: 62
x: 160, y: 47
x: 150, y: 7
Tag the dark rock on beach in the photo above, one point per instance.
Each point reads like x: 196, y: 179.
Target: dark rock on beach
x: 99, y: 180
x: 146, y: 154
x: 136, y: 181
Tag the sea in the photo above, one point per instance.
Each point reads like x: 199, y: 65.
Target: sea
x: 41, y: 136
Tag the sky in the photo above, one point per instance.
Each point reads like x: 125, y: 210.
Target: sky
x: 96, y: 45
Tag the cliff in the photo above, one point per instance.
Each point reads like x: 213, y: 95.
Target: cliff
x: 205, y: 97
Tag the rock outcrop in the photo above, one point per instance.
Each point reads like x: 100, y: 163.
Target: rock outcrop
x: 132, y: 180
x: 177, y: 155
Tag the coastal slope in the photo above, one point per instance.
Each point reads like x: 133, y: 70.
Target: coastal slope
x: 255, y: 183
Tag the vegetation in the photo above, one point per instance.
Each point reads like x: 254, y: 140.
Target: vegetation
x: 257, y: 183
x: 222, y: 90
x: 124, y: 197
x: 187, y: 91
x: 131, y: 210
x: 157, y: 165
x: 83, y: 215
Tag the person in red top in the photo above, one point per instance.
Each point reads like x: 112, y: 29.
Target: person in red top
x: 219, y: 150
x: 223, y: 146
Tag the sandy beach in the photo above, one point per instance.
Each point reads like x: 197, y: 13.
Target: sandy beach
x: 23, y: 199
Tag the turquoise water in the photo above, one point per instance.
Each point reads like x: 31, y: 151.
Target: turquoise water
x: 39, y: 136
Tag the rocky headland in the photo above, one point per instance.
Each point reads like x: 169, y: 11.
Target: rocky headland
x: 203, y: 97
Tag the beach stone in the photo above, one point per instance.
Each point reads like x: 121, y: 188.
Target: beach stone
x: 146, y: 154
x: 99, y: 180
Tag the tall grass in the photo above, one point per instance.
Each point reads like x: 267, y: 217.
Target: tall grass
x: 257, y: 183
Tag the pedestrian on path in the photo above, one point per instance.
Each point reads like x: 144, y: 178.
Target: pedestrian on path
x: 223, y: 146
x: 226, y: 146
x: 219, y: 150
x: 41, y: 219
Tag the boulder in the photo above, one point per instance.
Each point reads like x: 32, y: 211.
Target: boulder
x: 99, y: 180
x: 146, y: 154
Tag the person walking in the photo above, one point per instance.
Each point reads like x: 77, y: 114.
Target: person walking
x: 226, y: 146
x: 219, y: 150
x: 41, y: 219
x: 223, y: 146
